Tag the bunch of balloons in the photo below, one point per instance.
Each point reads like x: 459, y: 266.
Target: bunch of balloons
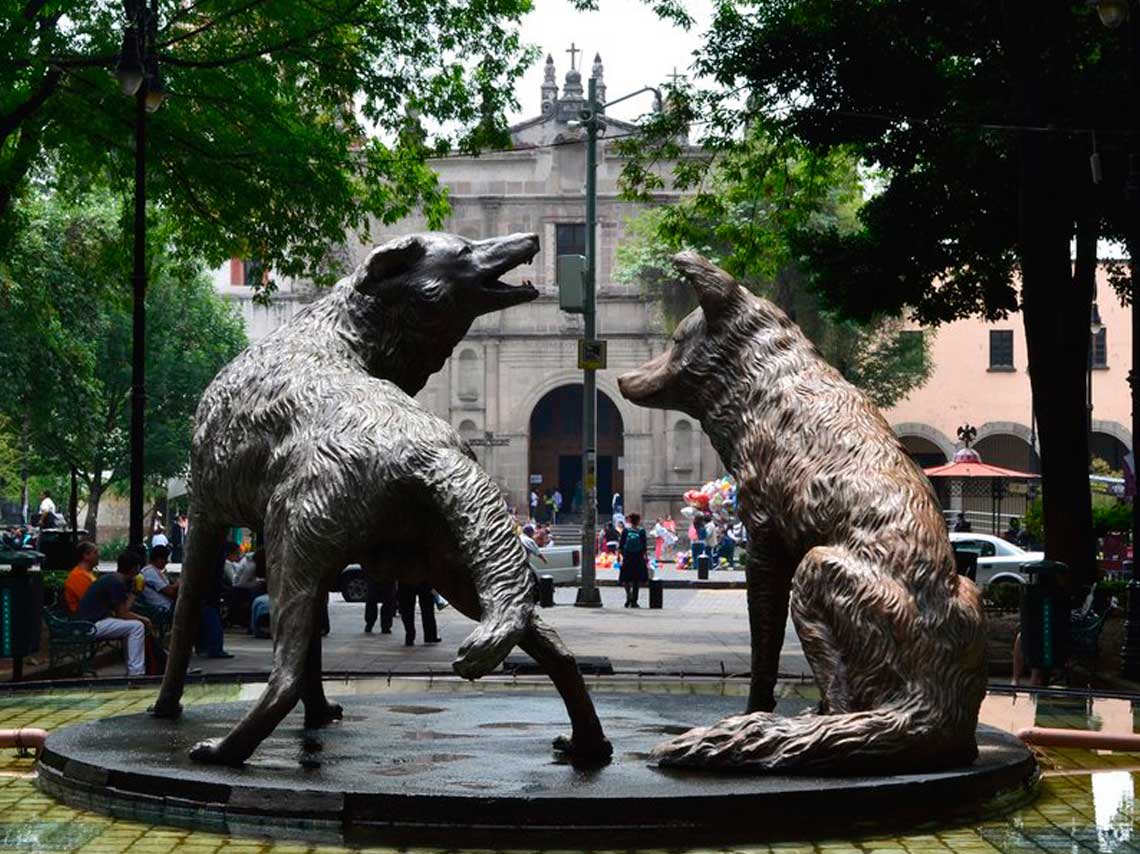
x: 717, y: 498
x: 605, y: 560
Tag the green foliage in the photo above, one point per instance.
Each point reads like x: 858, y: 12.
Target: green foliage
x: 748, y: 216
x: 287, y: 122
x: 67, y: 328
x: 1111, y: 518
x: 9, y: 458
x: 110, y: 550
x: 1034, y: 520
x: 1003, y: 597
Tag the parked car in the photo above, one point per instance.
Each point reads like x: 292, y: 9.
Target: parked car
x: 999, y: 561
x: 563, y: 563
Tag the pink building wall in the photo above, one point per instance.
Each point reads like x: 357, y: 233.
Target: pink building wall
x: 963, y: 389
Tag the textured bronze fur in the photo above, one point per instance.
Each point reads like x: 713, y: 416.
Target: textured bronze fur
x: 843, y: 524
x: 311, y: 436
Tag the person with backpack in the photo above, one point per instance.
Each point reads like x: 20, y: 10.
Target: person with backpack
x: 634, y: 567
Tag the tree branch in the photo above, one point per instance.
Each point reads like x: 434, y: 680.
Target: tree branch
x: 12, y: 121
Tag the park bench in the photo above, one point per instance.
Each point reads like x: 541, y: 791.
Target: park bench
x: 70, y: 641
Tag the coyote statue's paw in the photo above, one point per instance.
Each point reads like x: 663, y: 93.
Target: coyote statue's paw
x: 169, y: 711
x: 742, y: 740
x: 214, y: 752
x: 583, y: 754
x: 317, y: 718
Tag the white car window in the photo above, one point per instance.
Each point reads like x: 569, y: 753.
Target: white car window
x: 983, y: 547
x: 1007, y: 549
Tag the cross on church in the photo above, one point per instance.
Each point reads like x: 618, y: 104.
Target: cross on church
x: 573, y: 51
x: 675, y: 76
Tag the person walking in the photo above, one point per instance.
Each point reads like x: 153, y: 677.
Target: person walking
x: 634, y: 567
x: 380, y: 600
x: 556, y: 504
x: 408, y: 595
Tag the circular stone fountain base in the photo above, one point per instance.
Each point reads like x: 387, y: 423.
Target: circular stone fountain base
x: 477, y: 768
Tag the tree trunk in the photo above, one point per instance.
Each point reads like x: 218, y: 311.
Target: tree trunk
x: 1039, y: 41
x: 1056, y: 316
x: 91, y: 518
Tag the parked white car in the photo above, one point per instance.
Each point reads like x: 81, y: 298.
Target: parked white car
x: 999, y: 561
x: 563, y: 563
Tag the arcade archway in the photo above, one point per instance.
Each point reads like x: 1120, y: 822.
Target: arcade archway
x: 555, y: 455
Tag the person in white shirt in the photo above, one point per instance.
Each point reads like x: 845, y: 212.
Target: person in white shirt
x: 158, y: 590
x: 47, y: 505
x: 159, y: 538
x: 531, y: 547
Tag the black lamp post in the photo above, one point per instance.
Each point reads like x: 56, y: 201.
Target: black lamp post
x: 1095, y: 326
x: 138, y: 74
x: 1114, y: 13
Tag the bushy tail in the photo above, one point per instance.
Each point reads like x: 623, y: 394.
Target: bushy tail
x: 890, y: 738
x: 495, y: 636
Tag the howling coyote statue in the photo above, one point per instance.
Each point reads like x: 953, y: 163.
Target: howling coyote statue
x: 841, y: 523
x: 310, y: 436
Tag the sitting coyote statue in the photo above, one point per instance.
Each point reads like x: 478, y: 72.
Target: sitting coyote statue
x: 310, y: 436
x: 843, y: 524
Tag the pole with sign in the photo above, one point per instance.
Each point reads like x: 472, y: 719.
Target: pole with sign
x: 588, y: 594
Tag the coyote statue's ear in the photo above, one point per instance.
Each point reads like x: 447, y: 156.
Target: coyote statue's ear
x: 387, y: 262
x: 715, y: 288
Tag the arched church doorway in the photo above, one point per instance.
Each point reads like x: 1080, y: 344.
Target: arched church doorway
x: 556, y: 450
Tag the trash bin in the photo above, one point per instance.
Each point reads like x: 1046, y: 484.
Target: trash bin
x: 703, y: 564
x: 656, y: 593
x: 21, y: 606
x: 967, y: 561
x: 546, y: 591
x: 58, y: 547
x: 1044, y: 614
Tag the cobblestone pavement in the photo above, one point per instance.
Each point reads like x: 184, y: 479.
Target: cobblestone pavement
x: 1087, y: 803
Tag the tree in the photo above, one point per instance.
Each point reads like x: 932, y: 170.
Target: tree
x: 758, y: 198
x: 66, y: 329
x: 982, y: 117
x: 288, y: 122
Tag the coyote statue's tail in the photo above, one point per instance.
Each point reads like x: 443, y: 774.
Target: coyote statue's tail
x: 856, y: 742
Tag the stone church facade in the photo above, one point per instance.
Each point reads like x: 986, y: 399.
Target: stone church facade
x: 512, y: 387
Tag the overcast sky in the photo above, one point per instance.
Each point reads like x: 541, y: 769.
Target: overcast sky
x: 637, y: 48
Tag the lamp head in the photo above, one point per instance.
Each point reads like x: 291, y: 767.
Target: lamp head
x: 155, y: 87
x: 129, y: 67
x: 1112, y: 13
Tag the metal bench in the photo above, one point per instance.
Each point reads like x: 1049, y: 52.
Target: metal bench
x: 70, y: 640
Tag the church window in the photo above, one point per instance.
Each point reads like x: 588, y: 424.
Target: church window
x: 1098, y: 353
x: 571, y: 238
x: 468, y: 376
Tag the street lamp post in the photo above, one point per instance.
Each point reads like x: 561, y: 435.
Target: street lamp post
x: 590, y: 355
x: 1095, y: 326
x: 1114, y: 13
x: 138, y: 74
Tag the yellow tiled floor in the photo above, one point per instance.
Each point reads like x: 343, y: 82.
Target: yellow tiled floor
x: 1087, y: 802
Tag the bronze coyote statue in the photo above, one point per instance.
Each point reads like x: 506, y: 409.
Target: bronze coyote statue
x: 841, y: 523
x: 311, y: 436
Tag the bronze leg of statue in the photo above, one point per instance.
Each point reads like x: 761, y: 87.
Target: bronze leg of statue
x: 587, y: 745
x: 769, y: 575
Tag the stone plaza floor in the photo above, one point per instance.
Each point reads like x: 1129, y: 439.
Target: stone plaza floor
x: 1086, y: 803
